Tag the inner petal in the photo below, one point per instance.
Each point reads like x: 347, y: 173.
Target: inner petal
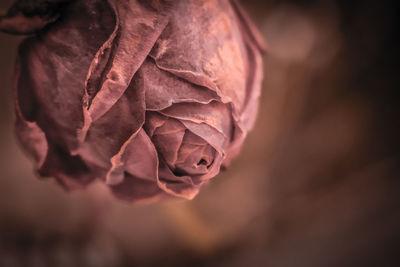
x: 195, y: 156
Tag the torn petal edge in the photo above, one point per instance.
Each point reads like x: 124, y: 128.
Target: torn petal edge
x: 105, y: 98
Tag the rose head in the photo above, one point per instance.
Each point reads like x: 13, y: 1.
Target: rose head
x: 151, y: 97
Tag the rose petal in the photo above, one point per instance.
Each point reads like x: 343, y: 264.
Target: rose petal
x: 204, y: 46
x: 195, y: 155
x: 216, y: 139
x: 154, y: 120
x: 107, y: 136
x: 139, y: 159
x: 56, y: 66
x: 164, y: 89
x: 255, y: 47
x: 31, y: 137
x: 181, y: 186
x: 138, y: 29
x: 70, y: 171
x: 135, y: 189
x: 214, y: 114
x: 248, y: 29
x: 167, y: 139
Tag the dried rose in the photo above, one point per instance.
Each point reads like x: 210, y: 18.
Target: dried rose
x: 151, y: 97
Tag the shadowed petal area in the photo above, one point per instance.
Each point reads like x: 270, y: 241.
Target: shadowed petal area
x: 56, y: 68
x: 29, y: 16
x: 136, y: 189
x: 31, y: 137
x: 180, y: 186
x: 70, y: 171
x: 49, y: 92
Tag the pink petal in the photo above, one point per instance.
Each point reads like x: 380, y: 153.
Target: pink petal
x: 203, y: 44
x: 107, y: 136
x: 138, y: 28
x: 164, y: 89
x: 135, y: 189
x: 214, y: 114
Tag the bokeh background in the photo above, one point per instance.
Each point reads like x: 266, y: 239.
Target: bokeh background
x: 317, y: 182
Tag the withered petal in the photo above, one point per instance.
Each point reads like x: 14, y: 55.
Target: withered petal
x: 181, y: 186
x: 164, y: 89
x: 137, y: 29
x: 107, y: 136
x: 55, y: 68
x: 215, y: 138
x: 205, y: 55
x: 214, y: 114
x: 167, y: 139
x: 151, y: 97
x: 139, y: 159
x: 136, y: 189
x: 195, y: 155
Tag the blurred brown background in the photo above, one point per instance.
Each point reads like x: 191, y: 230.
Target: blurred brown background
x: 316, y: 184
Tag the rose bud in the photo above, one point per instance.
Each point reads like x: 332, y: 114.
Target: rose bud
x: 151, y: 97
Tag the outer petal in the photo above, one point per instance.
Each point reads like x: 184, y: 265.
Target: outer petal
x: 255, y: 47
x: 134, y: 189
x: 56, y: 64
x: 138, y: 27
x: 31, y: 137
x: 109, y: 136
x: 139, y: 168
x: 203, y: 44
x: 164, y: 89
x: 50, y: 87
x: 138, y: 158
